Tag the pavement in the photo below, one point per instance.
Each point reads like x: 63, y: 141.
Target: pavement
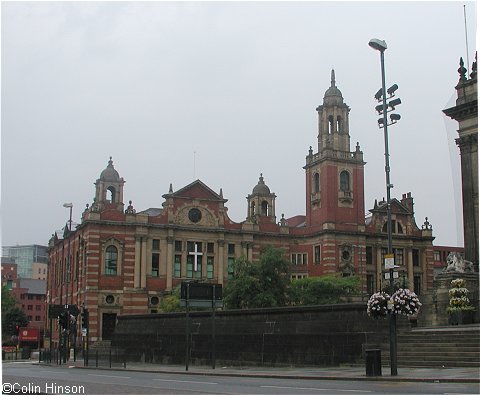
x: 434, y: 375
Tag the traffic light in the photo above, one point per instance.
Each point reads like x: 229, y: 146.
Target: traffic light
x: 17, y: 330
x: 63, y: 319
x: 85, y: 318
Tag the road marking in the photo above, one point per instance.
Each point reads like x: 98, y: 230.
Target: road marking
x: 104, y: 375
x: 187, y: 381
x: 295, y: 388
x: 310, y: 388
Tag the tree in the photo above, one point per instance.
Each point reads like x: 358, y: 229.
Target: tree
x: 14, y: 317
x: 322, y: 290
x: 259, y: 284
x: 171, y: 302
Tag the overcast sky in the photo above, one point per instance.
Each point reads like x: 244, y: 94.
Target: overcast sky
x: 221, y: 91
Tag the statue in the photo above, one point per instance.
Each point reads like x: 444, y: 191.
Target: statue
x: 457, y: 264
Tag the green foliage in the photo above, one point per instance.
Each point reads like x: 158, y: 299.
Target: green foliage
x: 322, y: 290
x: 171, y: 303
x: 15, y: 316
x: 259, y: 284
x: 8, y: 300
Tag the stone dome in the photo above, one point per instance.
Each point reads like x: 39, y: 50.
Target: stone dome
x: 110, y: 174
x: 261, y: 188
x: 333, y: 96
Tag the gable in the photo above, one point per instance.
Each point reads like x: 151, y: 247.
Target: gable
x: 196, y: 190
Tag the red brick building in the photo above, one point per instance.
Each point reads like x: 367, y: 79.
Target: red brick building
x: 30, y: 294
x: 120, y: 261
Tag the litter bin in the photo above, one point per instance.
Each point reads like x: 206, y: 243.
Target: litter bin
x: 373, y: 362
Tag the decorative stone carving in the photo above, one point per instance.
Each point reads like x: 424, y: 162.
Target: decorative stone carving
x: 456, y: 263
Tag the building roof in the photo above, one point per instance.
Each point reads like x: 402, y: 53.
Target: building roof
x: 36, y: 287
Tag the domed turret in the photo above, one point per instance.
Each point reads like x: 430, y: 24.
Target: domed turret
x: 109, y: 189
x: 261, y: 188
x: 333, y: 96
x: 261, y: 202
x: 110, y: 174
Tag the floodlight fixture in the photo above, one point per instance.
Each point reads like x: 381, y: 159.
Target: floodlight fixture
x: 395, y: 117
x: 379, y: 108
x: 380, y: 122
x: 392, y: 89
x: 379, y: 45
x: 394, y: 103
x: 379, y: 94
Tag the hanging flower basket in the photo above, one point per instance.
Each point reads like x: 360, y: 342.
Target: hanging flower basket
x: 377, y: 305
x: 405, y: 302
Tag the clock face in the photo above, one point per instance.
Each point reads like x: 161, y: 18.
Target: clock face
x: 194, y: 215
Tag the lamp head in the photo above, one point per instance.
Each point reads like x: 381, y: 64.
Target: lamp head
x: 68, y: 205
x: 395, y: 117
x: 377, y: 44
x: 394, y: 103
x: 379, y: 94
x: 392, y: 89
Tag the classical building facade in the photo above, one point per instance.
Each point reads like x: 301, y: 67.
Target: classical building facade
x: 465, y: 112
x: 122, y: 261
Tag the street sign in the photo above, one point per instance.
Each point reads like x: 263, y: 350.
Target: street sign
x: 389, y: 261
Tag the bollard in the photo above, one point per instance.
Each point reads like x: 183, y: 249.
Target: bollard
x: 96, y: 358
x: 110, y: 358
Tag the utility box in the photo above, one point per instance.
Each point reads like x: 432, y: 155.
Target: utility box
x: 373, y: 362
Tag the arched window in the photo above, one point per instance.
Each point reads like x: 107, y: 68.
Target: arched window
x: 264, y: 208
x: 316, y: 183
x: 396, y: 227
x: 252, y: 208
x: 111, y: 195
x: 339, y: 124
x: 111, y: 260
x: 345, y: 181
x: 330, y: 124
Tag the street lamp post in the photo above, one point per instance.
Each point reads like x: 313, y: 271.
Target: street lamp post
x: 66, y: 345
x: 69, y: 263
x: 383, y: 109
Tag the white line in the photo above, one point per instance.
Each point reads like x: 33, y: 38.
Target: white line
x: 104, y: 375
x: 295, y: 388
x: 186, y: 381
x: 310, y: 388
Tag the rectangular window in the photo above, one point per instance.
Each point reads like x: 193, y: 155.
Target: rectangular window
x: 177, y: 266
x: 230, y: 271
x: 416, y: 257
x: 370, y: 284
x: 369, y: 255
x: 38, y: 307
x: 231, y: 249
x: 398, y: 256
x: 155, y: 264
x: 178, y: 245
x: 436, y: 256
x: 37, y: 318
x: 210, y: 247
x: 210, y: 266
x: 317, y: 254
x: 417, y: 284
x: 299, y: 259
x: 30, y: 297
x: 29, y: 307
x: 384, y: 252
x: 155, y: 244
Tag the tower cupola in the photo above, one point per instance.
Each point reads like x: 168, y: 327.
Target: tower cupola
x: 261, y: 202
x: 109, y: 189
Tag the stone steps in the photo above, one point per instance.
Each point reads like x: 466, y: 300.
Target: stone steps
x: 441, y: 347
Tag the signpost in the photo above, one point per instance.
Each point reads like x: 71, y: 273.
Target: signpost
x: 200, y: 295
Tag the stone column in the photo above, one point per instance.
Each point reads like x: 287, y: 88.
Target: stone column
x: 143, y: 276
x: 220, y: 260
x: 410, y: 268
x: 170, y: 241
x: 138, y: 254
